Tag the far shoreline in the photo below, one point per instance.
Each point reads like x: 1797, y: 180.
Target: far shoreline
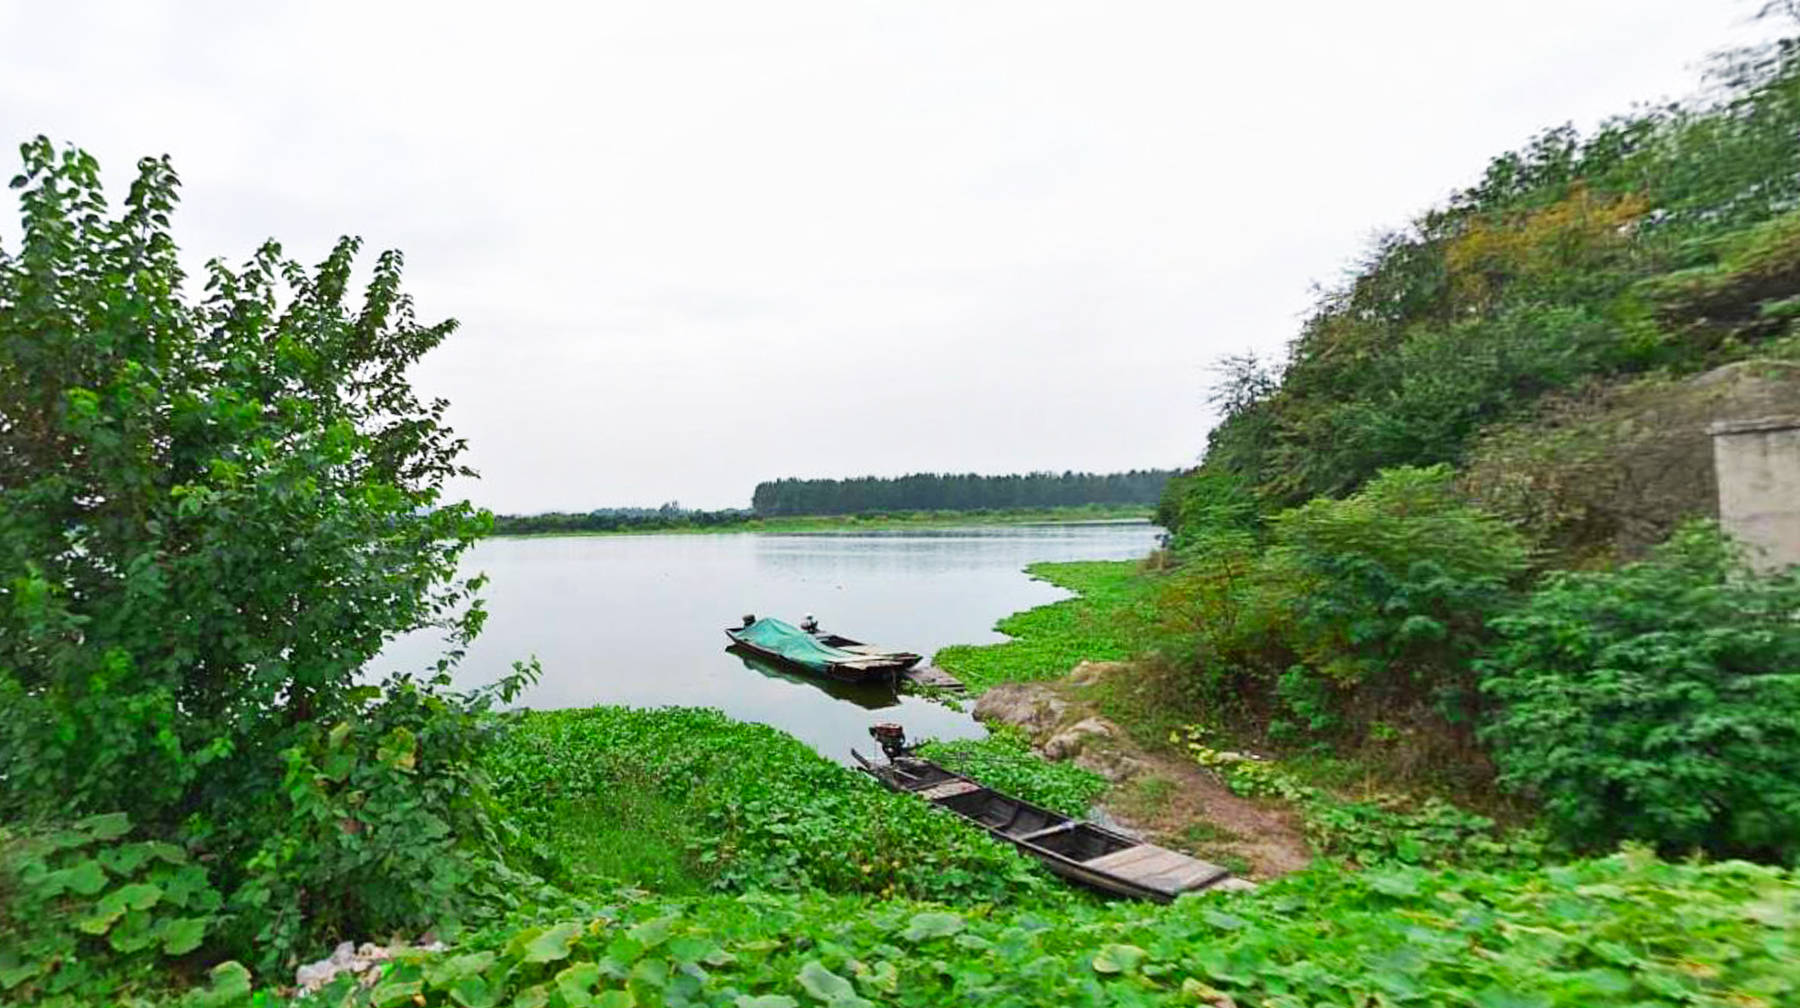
x: 918, y: 521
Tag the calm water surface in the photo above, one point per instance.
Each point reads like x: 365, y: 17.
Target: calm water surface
x: 639, y: 620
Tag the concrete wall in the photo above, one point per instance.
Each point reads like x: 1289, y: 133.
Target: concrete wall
x: 1758, y: 468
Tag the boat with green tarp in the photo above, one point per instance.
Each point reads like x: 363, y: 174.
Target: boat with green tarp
x: 841, y: 658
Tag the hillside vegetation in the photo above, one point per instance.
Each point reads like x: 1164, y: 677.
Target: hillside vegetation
x: 1460, y: 533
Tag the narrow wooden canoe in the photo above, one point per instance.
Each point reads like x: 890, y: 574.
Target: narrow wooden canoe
x: 786, y: 643
x: 1082, y: 851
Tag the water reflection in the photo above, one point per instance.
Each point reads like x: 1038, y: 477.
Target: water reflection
x: 869, y: 696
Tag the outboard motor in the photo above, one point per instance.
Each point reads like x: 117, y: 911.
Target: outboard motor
x: 892, y: 739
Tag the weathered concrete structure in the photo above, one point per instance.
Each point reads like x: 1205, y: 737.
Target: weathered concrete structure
x: 1757, y: 463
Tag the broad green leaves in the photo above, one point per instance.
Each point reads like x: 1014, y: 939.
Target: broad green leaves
x: 87, y: 894
x: 552, y: 944
x: 1118, y: 959
x: 932, y: 924
x: 1628, y: 929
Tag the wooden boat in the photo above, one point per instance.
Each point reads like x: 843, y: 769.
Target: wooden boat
x: 854, y: 661
x: 1082, y: 851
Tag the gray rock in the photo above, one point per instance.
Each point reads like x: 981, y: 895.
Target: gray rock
x: 1066, y: 742
x: 1031, y: 707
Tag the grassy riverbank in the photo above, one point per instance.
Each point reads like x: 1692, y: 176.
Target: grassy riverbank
x: 1107, y: 619
x: 901, y: 520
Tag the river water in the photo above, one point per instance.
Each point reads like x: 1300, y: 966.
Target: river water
x: 639, y: 620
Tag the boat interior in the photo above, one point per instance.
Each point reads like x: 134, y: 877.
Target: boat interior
x: 1026, y: 823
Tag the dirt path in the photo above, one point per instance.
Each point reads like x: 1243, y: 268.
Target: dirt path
x: 1171, y: 800
x: 1181, y: 805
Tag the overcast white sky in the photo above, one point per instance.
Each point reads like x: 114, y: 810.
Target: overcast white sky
x: 698, y: 245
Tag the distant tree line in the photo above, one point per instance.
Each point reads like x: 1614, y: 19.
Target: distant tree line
x: 626, y: 519
x: 956, y: 492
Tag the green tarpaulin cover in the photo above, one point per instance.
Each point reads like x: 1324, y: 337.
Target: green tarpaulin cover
x: 794, y: 644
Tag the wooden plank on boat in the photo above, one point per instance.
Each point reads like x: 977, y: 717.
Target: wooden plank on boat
x: 1158, y: 868
x: 948, y: 789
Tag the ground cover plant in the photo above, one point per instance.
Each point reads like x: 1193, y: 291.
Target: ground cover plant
x: 742, y: 807
x: 1004, y: 761
x: 1376, y: 827
x: 1628, y: 929
x: 1105, y: 621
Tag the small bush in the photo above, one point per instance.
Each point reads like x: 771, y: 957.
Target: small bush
x: 383, y: 823
x: 1659, y: 702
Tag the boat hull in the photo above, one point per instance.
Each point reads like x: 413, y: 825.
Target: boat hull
x: 1082, y: 852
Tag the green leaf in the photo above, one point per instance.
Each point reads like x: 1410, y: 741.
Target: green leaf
x: 85, y: 878
x: 1118, y: 958
x: 765, y: 1001
x: 13, y: 976
x: 110, y: 826
x: 136, y: 896
x: 181, y: 935
x: 133, y: 933
x: 931, y: 924
x: 532, y: 997
x: 576, y: 983
x: 822, y: 983
x: 100, y: 923
x: 653, y: 972
x: 553, y: 944
x: 615, y: 999
x: 474, y: 992
x: 228, y: 985
x: 449, y: 969
x: 651, y: 933
x: 394, y: 993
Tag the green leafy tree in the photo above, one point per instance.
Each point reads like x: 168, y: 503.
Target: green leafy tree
x: 213, y: 512
x: 1659, y: 702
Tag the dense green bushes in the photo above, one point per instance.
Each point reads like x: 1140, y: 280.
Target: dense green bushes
x: 1349, y: 613
x: 1659, y: 702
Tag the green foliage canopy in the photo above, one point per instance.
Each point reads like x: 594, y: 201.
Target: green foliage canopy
x: 213, y: 513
